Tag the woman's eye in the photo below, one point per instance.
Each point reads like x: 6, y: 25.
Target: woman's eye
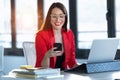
x: 62, y: 16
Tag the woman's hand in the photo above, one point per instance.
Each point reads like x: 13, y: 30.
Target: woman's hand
x: 52, y: 53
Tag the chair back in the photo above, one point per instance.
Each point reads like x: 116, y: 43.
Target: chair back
x: 29, y: 52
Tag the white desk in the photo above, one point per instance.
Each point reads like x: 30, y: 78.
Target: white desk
x: 82, y: 76
x: 67, y: 76
x: 92, y: 76
x: 13, y: 78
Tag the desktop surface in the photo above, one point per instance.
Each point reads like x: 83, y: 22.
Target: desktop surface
x: 67, y: 75
x: 93, y: 76
x: 80, y: 76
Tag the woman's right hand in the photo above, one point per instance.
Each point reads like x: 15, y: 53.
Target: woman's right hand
x: 52, y: 53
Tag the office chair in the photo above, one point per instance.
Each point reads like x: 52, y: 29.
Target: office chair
x: 1, y: 59
x: 29, y: 53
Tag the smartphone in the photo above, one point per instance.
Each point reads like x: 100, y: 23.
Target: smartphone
x: 58, y: 46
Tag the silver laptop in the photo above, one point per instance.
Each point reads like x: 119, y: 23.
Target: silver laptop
x: 103, y: 50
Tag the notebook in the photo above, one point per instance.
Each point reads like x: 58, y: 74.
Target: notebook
x: 103, y: 50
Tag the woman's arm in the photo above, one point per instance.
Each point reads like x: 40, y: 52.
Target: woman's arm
x: 43, y: 52
x: 41, y: 49
x: 46, y: 60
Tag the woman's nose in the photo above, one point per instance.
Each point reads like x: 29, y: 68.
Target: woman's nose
x: 57, y: 18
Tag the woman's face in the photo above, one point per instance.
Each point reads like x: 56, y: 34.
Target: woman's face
x: 57, y: 18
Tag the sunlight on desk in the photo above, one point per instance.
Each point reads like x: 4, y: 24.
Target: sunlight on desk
x: 116, y: 75
x: 74, y: 77
x: 69, y: 76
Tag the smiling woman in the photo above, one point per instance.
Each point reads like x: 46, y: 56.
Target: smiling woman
x: 57, y: 18
x: 55, y: 31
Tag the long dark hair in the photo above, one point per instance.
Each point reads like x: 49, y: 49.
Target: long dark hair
x: 47, y: 25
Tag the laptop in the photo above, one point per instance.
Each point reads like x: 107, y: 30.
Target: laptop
x: 103, y: 50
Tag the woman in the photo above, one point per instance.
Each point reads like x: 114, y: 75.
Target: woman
x: 55, y: 31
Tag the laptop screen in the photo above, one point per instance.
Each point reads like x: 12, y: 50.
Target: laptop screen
x: 103, y: 50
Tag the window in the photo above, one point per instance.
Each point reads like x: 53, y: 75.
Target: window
x: 5, y: 23
x: 92, y: 23
x: 26, y: 20
x: 117, y: 8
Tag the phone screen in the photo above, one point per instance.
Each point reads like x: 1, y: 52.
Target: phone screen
x: 58, y: 46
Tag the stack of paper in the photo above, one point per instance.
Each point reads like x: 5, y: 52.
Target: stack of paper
x: 42, y: 74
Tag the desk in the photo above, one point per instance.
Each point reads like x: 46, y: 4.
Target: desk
x: 92, y: 76
x: 82, y: 76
